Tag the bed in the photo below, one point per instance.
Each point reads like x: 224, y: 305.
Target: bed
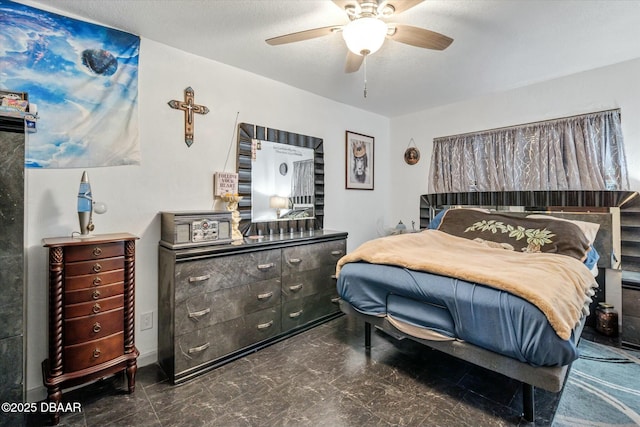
x: 509, y: 292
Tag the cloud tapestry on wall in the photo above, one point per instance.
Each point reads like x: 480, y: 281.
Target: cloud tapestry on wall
x: 84, y: 79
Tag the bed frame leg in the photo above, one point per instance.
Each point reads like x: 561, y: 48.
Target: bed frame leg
x: 528, y: 402
x: 367, y: 335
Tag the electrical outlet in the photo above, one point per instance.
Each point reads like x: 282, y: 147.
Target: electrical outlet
x: 146, y: 321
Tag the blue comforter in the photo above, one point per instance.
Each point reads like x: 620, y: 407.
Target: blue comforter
x: 489, y: 318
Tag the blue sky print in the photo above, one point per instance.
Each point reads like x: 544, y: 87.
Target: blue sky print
x: 83, y: 78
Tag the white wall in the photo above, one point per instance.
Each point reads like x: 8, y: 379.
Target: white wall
x: 173, y: 176
x: 615, y: 86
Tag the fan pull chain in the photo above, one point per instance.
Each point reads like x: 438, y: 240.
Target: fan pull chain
x: 365, y: 75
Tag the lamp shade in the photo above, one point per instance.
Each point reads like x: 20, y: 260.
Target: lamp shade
x: 364, y: 35
x: 277, y: 202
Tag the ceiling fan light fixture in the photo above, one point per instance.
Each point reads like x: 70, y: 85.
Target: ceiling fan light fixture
x: 364, y: 35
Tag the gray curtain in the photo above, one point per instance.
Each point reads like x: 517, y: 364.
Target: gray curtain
x: 302, y: 183
x: 583, y: 152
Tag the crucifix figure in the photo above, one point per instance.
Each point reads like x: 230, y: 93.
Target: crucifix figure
x: 189, y: 109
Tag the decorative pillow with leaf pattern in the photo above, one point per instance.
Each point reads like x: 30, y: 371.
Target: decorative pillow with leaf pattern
x: 516, y: 233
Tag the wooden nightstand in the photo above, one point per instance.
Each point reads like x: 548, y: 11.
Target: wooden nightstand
x: 91, y: 311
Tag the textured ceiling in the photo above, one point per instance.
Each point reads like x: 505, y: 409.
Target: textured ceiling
x: 498, y: 44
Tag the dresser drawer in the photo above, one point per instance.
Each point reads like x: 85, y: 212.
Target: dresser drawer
x: 208, y: 275
x: 93, y: 293
x: 81, y: 356
x: 312, y: 256
x: 93, y: 307
x: 88, y: 328
x: 94, y: 251
x: 300, y: 311
x: 94, y: 266
x: 215, y: 307
x: 205, y: 345
x: 304, y: 283
x: 91, y: 280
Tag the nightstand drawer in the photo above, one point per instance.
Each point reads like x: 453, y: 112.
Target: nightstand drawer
x: 92, y: 280
x: 93, y: 267
x: 81, y: 356
x: 93, y: 307
x: 94, y: 293
x: 97, y: 251
x: 89, y: 328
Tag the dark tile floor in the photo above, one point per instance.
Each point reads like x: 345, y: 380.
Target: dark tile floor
x: 322, y: 377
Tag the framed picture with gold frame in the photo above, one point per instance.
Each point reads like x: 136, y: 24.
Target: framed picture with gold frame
x: 359, y: 161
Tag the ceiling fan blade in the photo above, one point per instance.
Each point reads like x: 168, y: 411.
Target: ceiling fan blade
x: 402, y: 5
x: 353, y: 62
x: 419, y: 37
x: 303, y: 35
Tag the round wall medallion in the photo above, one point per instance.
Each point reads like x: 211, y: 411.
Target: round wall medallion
x: 411, y: 155
x: 284, y: 168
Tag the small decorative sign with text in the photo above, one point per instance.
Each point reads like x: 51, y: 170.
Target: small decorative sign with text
x: 225, y: 182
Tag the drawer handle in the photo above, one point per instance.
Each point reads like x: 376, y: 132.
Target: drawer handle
x: 97, y: 281
x: 199, y: 278
x: 295, y: 288
x: 97, y: 328
x: 335, y: 300
x: 336, y: 253
x: 95, y: 294
x: 295, y: 261
x: 95, y: 308
x: 97, y: 251
x: 200, y: 313
x: 263, y: 267
x: 96, y: 353
x: 199, y: 349
x: 265, y: 325
x: 265, y: 296
x: 96, y: 268
x: 295, y: 314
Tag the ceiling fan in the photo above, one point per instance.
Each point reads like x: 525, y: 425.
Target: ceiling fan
x: 367, y: 30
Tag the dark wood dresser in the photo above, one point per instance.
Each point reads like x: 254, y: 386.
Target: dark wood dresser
x: 91, y: 311
x: 220, y: 302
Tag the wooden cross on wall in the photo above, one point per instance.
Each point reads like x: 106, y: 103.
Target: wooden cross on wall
x: 189, y: 109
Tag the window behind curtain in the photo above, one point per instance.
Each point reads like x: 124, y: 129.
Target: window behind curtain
x: 583, y: 152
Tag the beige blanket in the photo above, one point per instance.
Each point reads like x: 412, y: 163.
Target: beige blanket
x: 557, y: 284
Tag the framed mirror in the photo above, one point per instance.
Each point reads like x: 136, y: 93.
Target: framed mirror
x: 281, y: 179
